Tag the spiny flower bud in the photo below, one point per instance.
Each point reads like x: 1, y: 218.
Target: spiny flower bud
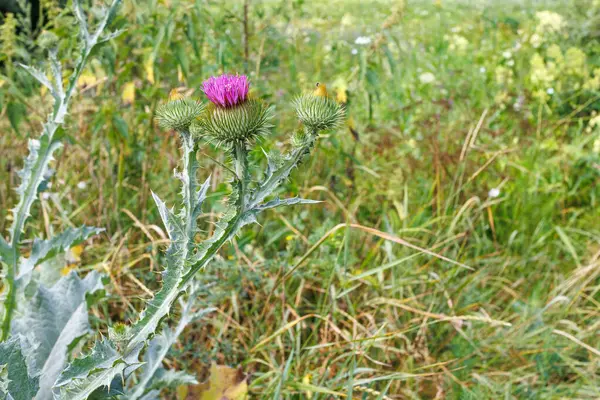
x: 242, y: 123
x: 178, y: 114
x: 232, y: 118
x: 317, y: 111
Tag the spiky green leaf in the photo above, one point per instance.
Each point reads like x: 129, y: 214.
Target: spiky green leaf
x: 33, y: 174
x: 152, y: 373
x: 277, y: 202
x: 96, y: 370
x: 169, y: 219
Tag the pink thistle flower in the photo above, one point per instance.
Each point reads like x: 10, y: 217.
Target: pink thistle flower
x: 226, y: 90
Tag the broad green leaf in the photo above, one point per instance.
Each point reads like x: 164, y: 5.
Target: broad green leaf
x: 17, y: 380
x: 55, y: 317
x: 16, y: 112
x: 121, y: 126
x: 224, y: 383
x: 45, y: 249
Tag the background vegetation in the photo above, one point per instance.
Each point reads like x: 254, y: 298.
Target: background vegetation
x: 472, y: 133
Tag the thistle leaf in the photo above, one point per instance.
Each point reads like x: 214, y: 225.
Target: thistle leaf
x: 56, y: 317
x: 167, y: 378
x: 40, y: 76
x: 46, y: 249
x: 17, y: 381
x: 275, y: 176
x: 32, y: 176
x: 160, y: 305
x: 153, y: 375
x: 5, y: 251
x: 169, y: 219
x: 200, y: 197
x: 277, y: 202
x: 96, y: 370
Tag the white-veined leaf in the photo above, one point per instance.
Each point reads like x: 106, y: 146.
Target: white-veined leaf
x: 17, y: 379
x: 5, y: 251
x: 96, y: 370
x: 45, y: 249
x: 55, y: 317
x: 284, y: 202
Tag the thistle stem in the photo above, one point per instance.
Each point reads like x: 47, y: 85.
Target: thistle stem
x: 189, y: 184
x: 240, y: 160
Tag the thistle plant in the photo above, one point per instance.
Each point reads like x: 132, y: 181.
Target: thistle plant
x: 40, y: 329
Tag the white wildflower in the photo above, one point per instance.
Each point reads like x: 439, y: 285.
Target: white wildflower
x: 536, y: 40
x: 82, y: 185
x: 354, y: 51
x: 494, y: 192
x: 362, y: 40
x: 549, y: 22
x: 427, y: 78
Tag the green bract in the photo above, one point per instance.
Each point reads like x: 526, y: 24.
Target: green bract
x: 178, y: 114
x: 318, y: 112
x: 242, y: 123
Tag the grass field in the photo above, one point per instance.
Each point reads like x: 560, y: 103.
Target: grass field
x: 472, y: 133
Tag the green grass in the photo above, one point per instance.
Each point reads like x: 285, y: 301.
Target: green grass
x: 348, y: 311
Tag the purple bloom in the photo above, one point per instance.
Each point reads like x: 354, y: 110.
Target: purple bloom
x: 226, y: 90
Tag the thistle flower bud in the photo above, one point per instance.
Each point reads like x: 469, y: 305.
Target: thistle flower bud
x: 178, y: 114
x: 119, y: 334
x: 243, y: 123
x: 318, y: 112
x: 300, y: 138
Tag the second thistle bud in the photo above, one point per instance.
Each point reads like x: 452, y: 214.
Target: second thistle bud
x: 317, y: 111
x: 178, y: 114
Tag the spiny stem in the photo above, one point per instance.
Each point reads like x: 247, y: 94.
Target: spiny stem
x: 189, y: 158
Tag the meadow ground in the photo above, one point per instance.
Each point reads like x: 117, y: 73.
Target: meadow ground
x: 472, y: 133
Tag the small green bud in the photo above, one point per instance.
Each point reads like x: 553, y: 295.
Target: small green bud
x: 178, y: 114
x: 244, y: 122
x: 318, y: 113
x: 48, y: 40
x: 119, y: 334
x: 300, y: 138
